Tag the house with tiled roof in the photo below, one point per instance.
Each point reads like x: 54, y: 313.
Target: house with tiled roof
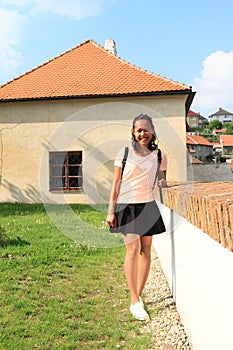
x: 222, y: 115
x: 225, y: 145
x: 204, y: 161
x: 62, y: 123
x: 198, y: 146
x: 226, y: 142
x: 195, y: 120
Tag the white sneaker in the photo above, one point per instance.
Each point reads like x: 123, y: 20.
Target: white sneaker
x: 141, y: 301
x: 139, y: 312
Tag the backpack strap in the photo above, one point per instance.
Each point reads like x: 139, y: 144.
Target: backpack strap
x: 124, y: 160
x: 159, y: 163
x: 159, y: 156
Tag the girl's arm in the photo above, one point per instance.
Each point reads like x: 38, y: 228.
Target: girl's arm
x: 111, y: 218
x: 162, y: 182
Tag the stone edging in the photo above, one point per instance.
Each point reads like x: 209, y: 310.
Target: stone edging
x: 207, y: 205
x: 166, y: 327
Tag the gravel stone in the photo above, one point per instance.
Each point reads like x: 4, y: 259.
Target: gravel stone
x: 165, y: 324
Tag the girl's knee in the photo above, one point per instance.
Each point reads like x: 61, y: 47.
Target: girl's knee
x: 145, y: 250
x: 133, y: 250
x: 146, y: 243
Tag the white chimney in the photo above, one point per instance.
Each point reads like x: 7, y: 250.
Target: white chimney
x: 110, y: 46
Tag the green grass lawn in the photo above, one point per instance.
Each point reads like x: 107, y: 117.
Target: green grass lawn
x: 58, y: 292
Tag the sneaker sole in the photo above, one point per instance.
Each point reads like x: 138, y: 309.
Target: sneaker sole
x: 141, y: 318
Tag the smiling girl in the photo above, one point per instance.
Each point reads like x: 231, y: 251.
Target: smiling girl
x: 133, y: 209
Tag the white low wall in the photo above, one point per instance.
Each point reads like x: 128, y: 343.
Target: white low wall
x: 200, y: 275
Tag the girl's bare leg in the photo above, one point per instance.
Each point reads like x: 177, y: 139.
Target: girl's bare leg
x: 133, y: 247
x: 144, y: 263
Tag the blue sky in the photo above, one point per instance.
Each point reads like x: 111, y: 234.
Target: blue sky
x: 190, y: 42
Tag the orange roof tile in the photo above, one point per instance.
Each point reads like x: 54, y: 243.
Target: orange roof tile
x: 226, y: 140
x: 196, y: 161
x: 87, y: 70
x: 193, y: 114
x: 191, y: 150
x: 216, y: 131
x: 197, y: 140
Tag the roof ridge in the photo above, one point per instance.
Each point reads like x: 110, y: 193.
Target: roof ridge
x: 139, y: 68
x: 189, y: 136
x: 221, y: 111
x: 47, y: 62
x: 100, y: 80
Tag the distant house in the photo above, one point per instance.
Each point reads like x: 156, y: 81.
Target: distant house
x: 195, y: 120
x: 222, y: 115
x: 225, y: 145
x: 217, y: 148
x: 198, y: 146
x: 62, y: 123
x: 191, y: 156
x: 226, y: 142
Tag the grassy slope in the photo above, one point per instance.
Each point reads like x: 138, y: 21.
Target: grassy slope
x: 58, y: 294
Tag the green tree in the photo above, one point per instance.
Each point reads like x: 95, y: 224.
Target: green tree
x: 229, y: 127
x: 205, y: 123
x: 215, y: 124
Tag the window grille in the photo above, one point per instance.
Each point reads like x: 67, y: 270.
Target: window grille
x: 66, y: 171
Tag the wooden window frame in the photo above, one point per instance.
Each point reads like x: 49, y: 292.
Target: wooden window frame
x: 65, y: 177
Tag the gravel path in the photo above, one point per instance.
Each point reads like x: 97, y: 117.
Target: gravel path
x: 166, y: 327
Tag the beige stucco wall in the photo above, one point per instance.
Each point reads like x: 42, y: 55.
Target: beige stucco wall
x: 98, y: 127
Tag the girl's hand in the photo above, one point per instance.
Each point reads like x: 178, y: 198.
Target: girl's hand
x: 111, y: 219
x: 162, y: 183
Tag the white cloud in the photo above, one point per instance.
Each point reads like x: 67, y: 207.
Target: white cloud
x: 14, y: 2
x: 76, y: 9
x: 15, y: 14
x: 9, y: 63
x: 11, y: 33
x: 215, y: 87
x: 11, y: 30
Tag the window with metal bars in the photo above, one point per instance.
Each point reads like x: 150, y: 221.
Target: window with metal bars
x: 66, y: 171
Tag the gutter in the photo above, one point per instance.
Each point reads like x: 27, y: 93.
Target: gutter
x: 189, y: 101
x: 143, y: 94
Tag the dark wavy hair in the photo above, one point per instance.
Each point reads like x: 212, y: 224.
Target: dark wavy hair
x: 152, y: 145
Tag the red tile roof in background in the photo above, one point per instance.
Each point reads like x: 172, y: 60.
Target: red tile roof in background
x: 196, y: 161
x: 197, y: 140
x: 87, y: 70
x: 226, y: 140
x: 219, y: 131
x: 193, y: 114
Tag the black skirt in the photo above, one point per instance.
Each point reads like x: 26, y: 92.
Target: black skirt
x: 141, y: 218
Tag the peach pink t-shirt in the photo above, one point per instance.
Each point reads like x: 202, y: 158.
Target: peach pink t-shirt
x: 138, y: 176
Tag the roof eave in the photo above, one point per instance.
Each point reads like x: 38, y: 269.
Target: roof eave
x: 189, y: 101
x: 157, y: 93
